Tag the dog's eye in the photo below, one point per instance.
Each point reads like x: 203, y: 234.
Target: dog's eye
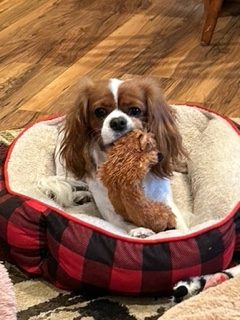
x: 100, y: 113
x: 134, y: 112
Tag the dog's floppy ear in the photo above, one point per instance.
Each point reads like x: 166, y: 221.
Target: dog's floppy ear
x: 161, y: 121
x: 76, y: 142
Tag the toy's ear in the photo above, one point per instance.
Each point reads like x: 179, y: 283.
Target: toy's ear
x: 146, y: 141
x: 142, y: 141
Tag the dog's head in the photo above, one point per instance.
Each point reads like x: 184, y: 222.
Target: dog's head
x: 106, y: 110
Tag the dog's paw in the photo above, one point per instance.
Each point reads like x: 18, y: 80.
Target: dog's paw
x: 141, y: 233
x: 79, y: 186
x: 65, y: 192
x: 81, y: 197
x: 188, y: 288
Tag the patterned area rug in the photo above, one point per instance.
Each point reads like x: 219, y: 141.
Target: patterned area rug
x: 38, y: 300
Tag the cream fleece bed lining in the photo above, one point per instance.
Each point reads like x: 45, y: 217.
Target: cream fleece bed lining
x: 205, y: 195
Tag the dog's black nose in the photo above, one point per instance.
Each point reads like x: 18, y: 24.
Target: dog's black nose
x: 118, y: 124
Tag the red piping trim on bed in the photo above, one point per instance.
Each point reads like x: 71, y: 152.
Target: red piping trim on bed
x: 103, y: 231
x: 199, y: 106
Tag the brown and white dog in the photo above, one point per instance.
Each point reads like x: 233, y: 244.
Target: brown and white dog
x: 104, y: 111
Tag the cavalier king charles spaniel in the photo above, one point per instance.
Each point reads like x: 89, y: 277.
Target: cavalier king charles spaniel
x: 104, y: 111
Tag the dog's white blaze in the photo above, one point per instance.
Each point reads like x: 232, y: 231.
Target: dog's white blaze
x: 113, y: 86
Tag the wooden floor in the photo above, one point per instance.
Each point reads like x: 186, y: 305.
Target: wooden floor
x: 47, y: 45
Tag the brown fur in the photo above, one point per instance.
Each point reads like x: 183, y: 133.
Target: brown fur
x: 128, y: 161
x: 82, y: 128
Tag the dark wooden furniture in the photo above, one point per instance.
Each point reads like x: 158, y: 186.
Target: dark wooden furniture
x: 211, y: 11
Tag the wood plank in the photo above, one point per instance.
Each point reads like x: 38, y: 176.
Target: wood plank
x: 17, y: 117
x: 47, y: 46
x: 84, y: 65
x: 14, y: 28
x: 25, y: 85
x: 55, y: 61
x: 195, y: 68
x: 17, y: 10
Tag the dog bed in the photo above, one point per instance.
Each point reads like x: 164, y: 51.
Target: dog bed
x: 77, y: 250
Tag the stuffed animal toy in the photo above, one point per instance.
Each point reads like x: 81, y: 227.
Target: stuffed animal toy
x: 129, y: 159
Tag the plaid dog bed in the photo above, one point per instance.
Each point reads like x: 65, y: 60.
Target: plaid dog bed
x: 76, y: 256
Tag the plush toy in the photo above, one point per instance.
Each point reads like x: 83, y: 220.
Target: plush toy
x: 129, y: 159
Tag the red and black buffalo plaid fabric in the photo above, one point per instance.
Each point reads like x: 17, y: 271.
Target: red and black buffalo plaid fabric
x: 76, y: 256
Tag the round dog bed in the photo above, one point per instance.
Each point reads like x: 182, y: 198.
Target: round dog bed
x: 77, y: 250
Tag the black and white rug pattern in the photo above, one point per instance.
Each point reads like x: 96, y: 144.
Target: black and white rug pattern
x: 38, y: 300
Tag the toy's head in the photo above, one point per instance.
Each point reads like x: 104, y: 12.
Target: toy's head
x: 131, y: 157
x: 138, y: 145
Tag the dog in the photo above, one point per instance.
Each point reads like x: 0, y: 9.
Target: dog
x: 104, y: 111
